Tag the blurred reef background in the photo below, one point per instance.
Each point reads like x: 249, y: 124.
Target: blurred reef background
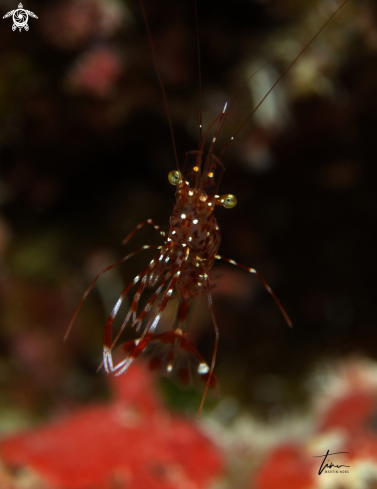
x: 85, y: 151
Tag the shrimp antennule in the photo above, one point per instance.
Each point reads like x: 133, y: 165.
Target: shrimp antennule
x: 281, y: 77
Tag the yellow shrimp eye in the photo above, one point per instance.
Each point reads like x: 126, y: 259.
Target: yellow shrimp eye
x: 228, y: 201
x: 174, y: 177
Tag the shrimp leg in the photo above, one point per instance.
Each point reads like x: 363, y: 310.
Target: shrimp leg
x: 149, y: 329
x: 145, y: 247
x: 141, y: 225
x: 213, y: 361
x: 267, y: 287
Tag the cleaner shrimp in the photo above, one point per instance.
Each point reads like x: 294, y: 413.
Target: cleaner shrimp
x: 184, y: 260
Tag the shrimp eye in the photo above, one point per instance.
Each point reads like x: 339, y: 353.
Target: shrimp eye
x: 228, y: 201
x: 174, y: 177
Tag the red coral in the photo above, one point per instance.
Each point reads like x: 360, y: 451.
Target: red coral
x: 352, y: 412
x: 131, y: 442
x: 345, y: 420
x: 288, y: 467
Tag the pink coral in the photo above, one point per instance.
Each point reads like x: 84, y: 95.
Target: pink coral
x: 69, y: 24
x: 131, y: 442
x: 96, y: 71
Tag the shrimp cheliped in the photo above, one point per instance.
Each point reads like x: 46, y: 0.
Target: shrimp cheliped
x: 180, y: 269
